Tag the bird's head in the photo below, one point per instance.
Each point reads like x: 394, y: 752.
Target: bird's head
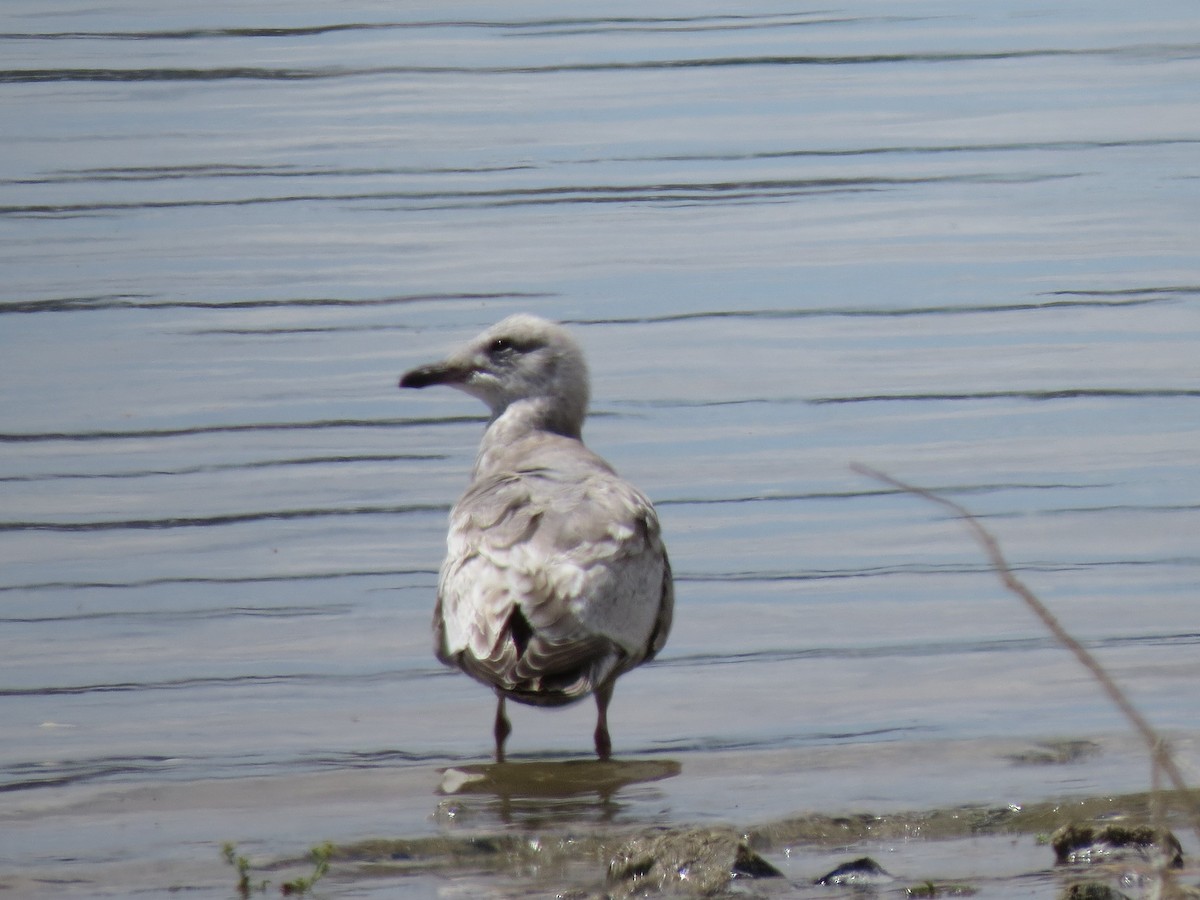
x: 522, y: 359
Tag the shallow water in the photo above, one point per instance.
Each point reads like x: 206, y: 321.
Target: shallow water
x: 955, y: 244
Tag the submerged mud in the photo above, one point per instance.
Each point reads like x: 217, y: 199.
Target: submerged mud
x: 515, y: 829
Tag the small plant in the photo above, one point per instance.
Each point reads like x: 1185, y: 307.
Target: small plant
x: 320, y: 859
x: 929, y: 889
x: 297, y: 887
x: 242, y: 866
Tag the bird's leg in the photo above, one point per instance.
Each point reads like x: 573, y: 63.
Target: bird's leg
x: 503, y: 729
x: 603, y: 741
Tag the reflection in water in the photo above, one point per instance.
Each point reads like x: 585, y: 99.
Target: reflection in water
x: 545, y: 792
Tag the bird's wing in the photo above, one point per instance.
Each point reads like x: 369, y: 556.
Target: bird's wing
x: 556, y: 578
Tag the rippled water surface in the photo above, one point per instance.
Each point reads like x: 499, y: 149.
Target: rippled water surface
x: 956, y: 242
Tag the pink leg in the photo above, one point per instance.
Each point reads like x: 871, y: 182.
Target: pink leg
x: 502, y: 730
x: 603, y: 741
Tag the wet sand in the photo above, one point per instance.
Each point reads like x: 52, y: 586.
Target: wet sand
x: 545, y: 827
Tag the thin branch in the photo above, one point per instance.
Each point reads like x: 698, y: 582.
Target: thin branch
x: 1159, y: 751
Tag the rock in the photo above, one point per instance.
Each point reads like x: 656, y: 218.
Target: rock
x: 1056, y: 753
x: 696, y: 862
x: 1092, y: 890
x: 1087, y: 843
x: 859, y: 872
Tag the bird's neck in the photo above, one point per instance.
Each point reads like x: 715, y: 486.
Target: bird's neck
x: 520, y: 420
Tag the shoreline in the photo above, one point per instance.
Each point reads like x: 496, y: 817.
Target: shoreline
x: 947, y: 810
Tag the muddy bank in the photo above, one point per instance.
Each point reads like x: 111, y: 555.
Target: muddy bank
x: 975, y: 813
x: 957, y: 851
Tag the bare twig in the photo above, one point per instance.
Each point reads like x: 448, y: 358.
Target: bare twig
x: 1160, y: 753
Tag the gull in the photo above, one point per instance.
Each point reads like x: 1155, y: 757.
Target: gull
x: 556, y: 580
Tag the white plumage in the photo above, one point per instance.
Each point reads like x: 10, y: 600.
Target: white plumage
x: 555, y: 580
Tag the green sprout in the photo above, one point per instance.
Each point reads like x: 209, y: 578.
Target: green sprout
x: 320, y: 859
x: 242, y: 866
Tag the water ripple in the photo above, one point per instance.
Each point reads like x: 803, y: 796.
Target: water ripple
x: 187, y: 615
x: 1039, y: 395
x: 544, y: 26
x: 215, y: 580
x: 851, y: 312
x: 775, y: 576
x: 36, y: 437
x: 22, y: 776
x: 143, y: 301
x: 220, y: 519
x: 265, y: 73
x: 667, y: 192
x: 924, y: 650
x: 871, y: 492
x: 222, y: 681
x: 229, y: 467
x: 1072, y: 146
x: 1168, y: 290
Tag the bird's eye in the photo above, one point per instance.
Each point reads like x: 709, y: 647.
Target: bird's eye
x: 501, y: 346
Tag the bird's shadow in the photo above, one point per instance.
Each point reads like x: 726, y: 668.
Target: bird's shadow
x: 544, y: 792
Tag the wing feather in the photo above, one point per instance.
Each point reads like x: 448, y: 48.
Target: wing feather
x: 574, y: 551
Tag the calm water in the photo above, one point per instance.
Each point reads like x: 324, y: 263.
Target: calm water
x: 955, y: 242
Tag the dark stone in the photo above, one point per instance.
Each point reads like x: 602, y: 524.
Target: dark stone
x: 861, y: 871
x: 696, y: 862
x: 1056, y: 753
x: 1086, y: 843
x: 1092, y: 890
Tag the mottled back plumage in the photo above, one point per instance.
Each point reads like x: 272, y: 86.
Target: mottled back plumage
x: 556, y: 580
